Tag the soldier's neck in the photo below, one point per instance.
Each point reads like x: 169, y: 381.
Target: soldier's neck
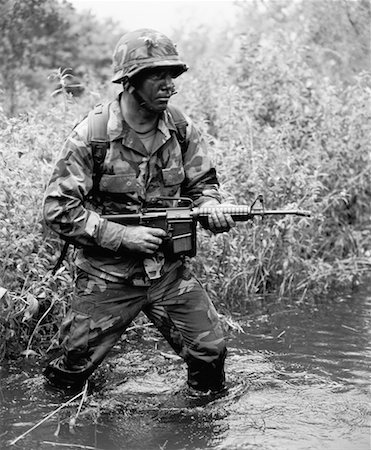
x: 137, y: 117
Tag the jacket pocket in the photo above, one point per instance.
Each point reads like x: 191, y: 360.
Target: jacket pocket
x: 173, y: 176
x: 117, y: 184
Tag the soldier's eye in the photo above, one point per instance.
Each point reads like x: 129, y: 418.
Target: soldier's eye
x: 159, y: 75
x: 156, y: 76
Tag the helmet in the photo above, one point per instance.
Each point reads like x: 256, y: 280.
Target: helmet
x: 144, y: 49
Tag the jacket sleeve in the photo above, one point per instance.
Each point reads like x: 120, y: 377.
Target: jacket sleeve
x: 64, y: 208
x: 201, y: 183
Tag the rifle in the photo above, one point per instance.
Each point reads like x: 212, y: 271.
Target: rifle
x: 180, y: 222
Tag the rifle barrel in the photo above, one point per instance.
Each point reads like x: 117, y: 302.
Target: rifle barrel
x: 275, y: 212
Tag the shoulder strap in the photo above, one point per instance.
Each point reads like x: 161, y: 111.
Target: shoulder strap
x: 181, y: 124
x: 97, y: 123
x: 98, y: 139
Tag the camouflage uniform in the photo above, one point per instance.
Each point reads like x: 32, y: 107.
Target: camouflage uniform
x: 111, y: 285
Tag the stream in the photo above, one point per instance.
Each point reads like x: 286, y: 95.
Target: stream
x: 298, y: 379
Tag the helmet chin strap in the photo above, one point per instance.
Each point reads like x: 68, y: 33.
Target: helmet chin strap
x: 142, y: 102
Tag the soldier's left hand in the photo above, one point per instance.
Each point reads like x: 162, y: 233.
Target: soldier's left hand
x: 218, y: 221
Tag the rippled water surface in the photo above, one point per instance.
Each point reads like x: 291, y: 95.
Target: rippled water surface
x: 298, y: 380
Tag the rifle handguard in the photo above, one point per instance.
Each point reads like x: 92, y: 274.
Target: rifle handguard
x: 242, y: 213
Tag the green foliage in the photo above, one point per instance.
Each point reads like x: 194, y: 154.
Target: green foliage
x: 28, y: 144
x: 334, y: 35
x: 28, y: 30
x: 279, y: 131
x: 40, y: 35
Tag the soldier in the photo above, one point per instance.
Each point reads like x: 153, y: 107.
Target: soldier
x: 121, y: 270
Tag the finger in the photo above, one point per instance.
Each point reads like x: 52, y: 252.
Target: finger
x: 158, y: 232
x: 150, y: 248
x: 226, y: 221
x: 231, y: 223
x: 154, y: 240
x: 219, y: 221
x: 149, y: 251
x: 211, y: 223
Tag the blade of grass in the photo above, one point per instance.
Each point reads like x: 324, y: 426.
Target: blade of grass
x: 47, y: 417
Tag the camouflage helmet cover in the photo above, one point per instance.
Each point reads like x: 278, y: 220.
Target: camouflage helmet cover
x: 144, y: 49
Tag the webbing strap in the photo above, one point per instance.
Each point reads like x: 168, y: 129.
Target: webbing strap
x: 97, y: 123
x: 181, y: 125
x: 98, y: 139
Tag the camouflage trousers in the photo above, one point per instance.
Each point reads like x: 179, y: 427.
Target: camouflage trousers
x: 176, y: 304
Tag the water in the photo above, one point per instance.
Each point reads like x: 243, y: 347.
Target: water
x: 298, y: 380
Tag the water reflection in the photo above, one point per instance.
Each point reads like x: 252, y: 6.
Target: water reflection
x: 333, y: 339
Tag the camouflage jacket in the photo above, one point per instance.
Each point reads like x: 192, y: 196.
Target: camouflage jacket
x: 130, y: 177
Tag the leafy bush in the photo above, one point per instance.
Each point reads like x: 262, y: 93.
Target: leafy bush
x: 277, y: 131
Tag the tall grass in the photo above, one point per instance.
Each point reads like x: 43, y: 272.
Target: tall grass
x: 278, y: 130
x: 274, y: 129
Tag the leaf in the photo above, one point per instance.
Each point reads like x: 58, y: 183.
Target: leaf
x: 3, y: 291
x: 31, y: 309
x: 170, y: 356
x: 56, y: 92
x: 72, y: 425
x: 28, y: 353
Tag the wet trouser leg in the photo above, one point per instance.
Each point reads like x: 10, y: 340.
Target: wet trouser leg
x: 99, y: 314
x: 186, y: 317
x: 176, y: 304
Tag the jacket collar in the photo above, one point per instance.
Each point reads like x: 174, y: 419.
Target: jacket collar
x: 118, y: 128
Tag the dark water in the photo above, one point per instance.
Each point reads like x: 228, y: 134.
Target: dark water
x: 298, y: 380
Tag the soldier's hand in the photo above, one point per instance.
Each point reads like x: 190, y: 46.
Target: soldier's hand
x: 219, y: 222
x: 142, y: 239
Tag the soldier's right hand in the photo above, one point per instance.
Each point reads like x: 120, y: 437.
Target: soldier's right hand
x: 142, y: 239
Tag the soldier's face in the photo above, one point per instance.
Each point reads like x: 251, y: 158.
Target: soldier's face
x: 156, y: 87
